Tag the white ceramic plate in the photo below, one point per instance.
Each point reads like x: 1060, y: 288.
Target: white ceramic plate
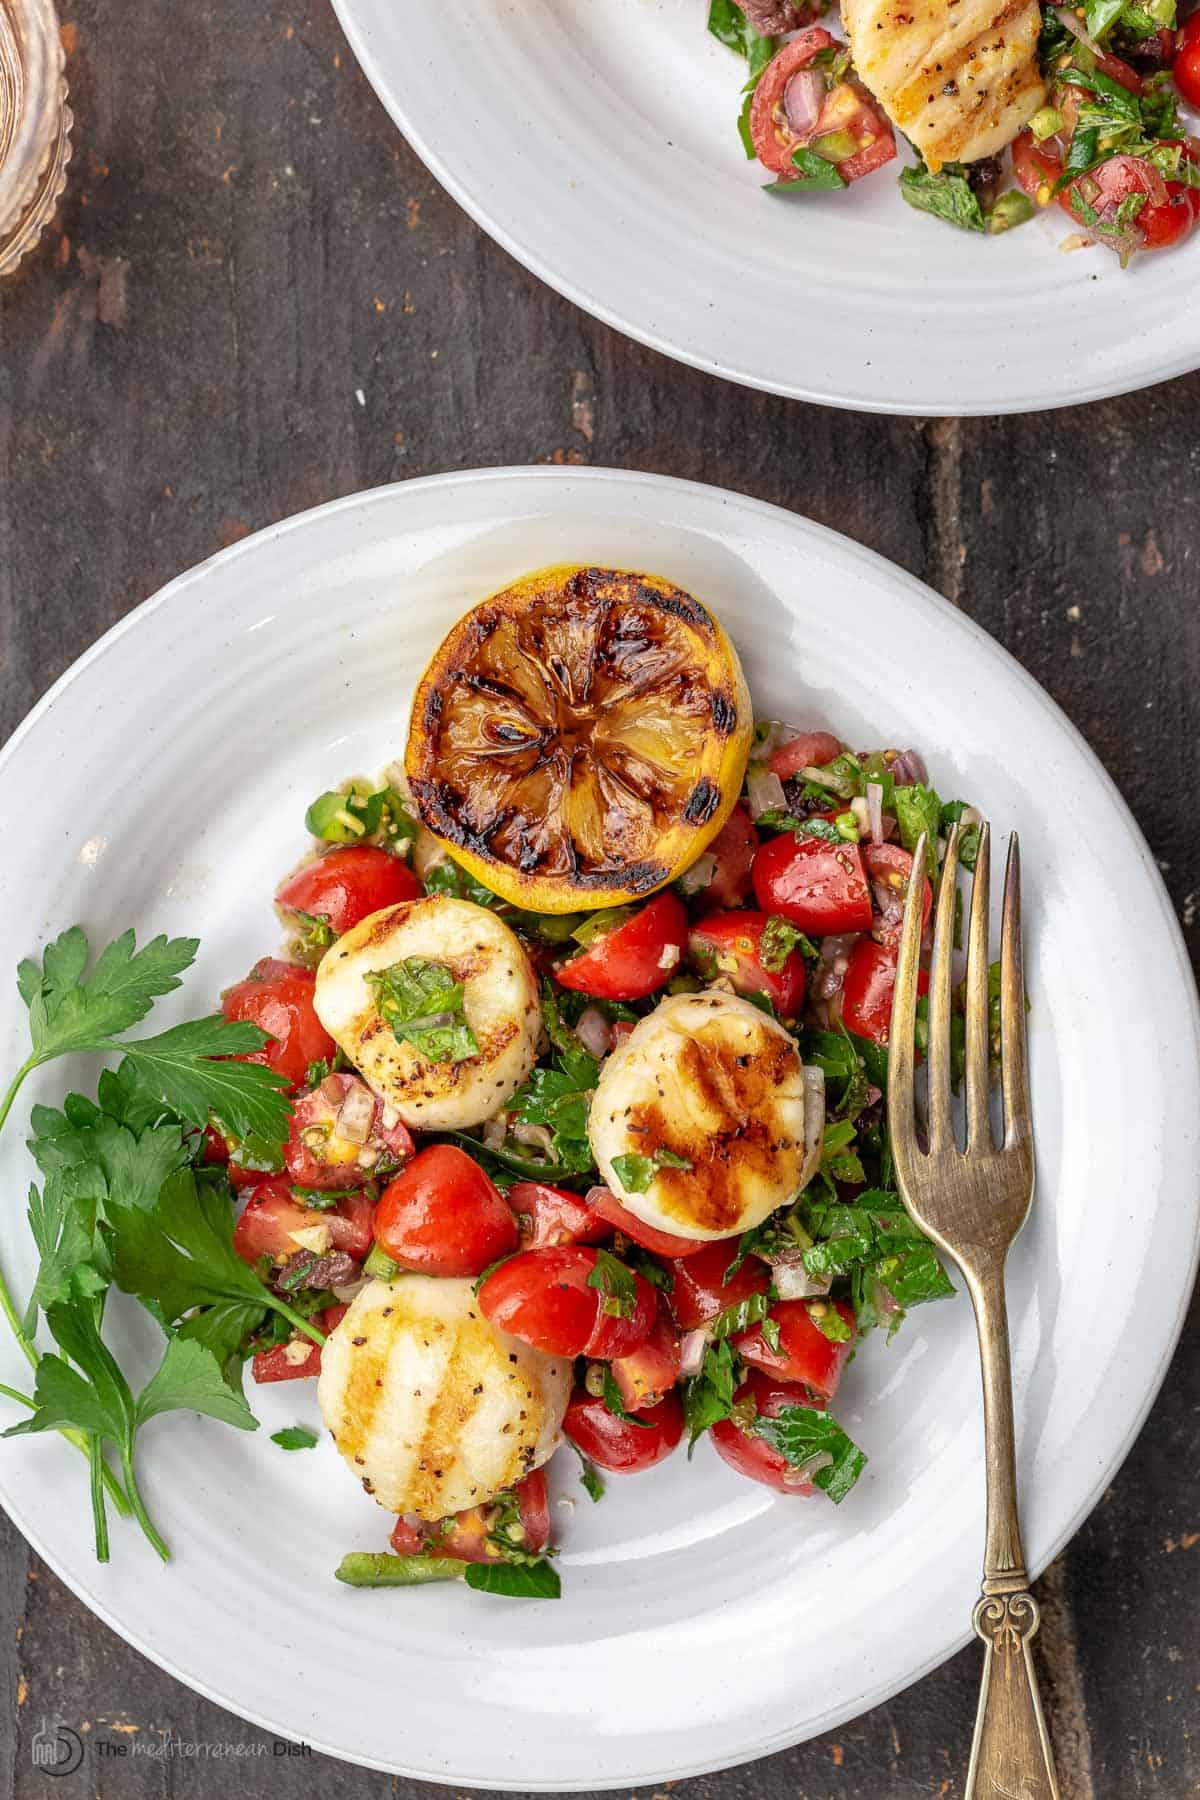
x: 598, y: 144
x: 703, y: 1621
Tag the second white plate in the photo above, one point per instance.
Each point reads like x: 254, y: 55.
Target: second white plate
x: 599, y: 145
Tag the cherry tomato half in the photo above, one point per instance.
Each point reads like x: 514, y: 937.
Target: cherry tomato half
x: 278, y: 998
x: 549, y: 1216
x: 700, y: 1290
x: 605, y: 1204
x: 649, y: 1373
x: 1035, y: 166
x: 805, y: 1353
x: 733, y: 851
x: 809, y: 750
x: 345, y: 885
x: 443, y: 1216
x: 317, y: 1155
x: 730, y: 944
x: 466, y: 1536
x: 634, y: 959
x: 752, y: 1455
x: 868, y: 987
x: 820, y: 886
x: 544, y: 1297
x: 272, y: 1217
x: 1186, y: 67
x: 617, y: 1444
x: 773, y: 137
x: 1162, y: 226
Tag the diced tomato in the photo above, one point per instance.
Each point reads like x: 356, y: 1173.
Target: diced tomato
x: 1118, y: 70
x: 635, y: 958
x: 605, y: 1204
x: 618, y: 1444
x: 299, y: 1358
x: 545, y: 1298
x: 1036, y: 166
x: 820, y: 886
x: 888, y: 868
x: 733, y: 851
x: 809, y: 750
x: 344, y: 886
x: 406, y: 1540
x: 278, y: 998
x: 805, y: 1353
x: 752, y: 1455
x: 851, y: 112
x: 549, y: 1216
x: 444, y: 1216
x: 533, y: 1504
x: 272, y: 1217
x: 700, y: 1290
x: 773, y: 137
x: 317, y: 1155
x: 868, y: 987
x: 730, y: 944
x: 652, y: 1370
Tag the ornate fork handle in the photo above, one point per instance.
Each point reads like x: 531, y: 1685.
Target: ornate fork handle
x: 1011, y: 1753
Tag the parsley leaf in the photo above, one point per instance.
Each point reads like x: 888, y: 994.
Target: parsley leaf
x: 708, y: 1396
x: 779, y: 938
x: 518, y: 1581
x: 635, y: 1172
x: 617, y: 1285
x: 179, y: 1254
x: 918, y: 810
x: 559, y: 1097
x: 71, y: 1011
x: 295, y: 1437
x: 423, y: 1004
x: 947, y: 195
x: 739, y: 1317
x: 804, y: 1436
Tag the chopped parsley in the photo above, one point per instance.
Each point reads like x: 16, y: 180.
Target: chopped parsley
x: 423, y: 1004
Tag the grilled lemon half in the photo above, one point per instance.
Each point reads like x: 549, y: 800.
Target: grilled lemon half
x: 580, y: 737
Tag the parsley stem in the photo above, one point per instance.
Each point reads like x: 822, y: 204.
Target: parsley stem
x: 294, y: 1318
x: 14, y: 1087
x: 139, y: 1508
x: 80, y: 1439
x: 15, y: 1394
x: 99, y: 1515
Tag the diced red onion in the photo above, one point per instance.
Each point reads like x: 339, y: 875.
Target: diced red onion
x: 765, y: 791
x: 331, y: 1090
x: 909, y: 769
x: 352, y: 1288
x: 495, y: 1130
x: 792, y: 1281
x: 875, y: 811
x: 1066, y: 17
x: 803, y: 98
x: 831, y: 969
x: 858, y: 807
x: 594, y: 1031
x: 537, y: 1136
x: 774, y: 738
x: 357, y: 1114
x: 668, y: 957
x: 700, y: 873
x: 598, y: 1193
x: 691, y: 1351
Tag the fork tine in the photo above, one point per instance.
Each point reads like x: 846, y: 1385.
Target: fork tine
x: 1018, y: 1126
x: 941, y: 1111
x: 901, y: 1121
x: 979, y: 1121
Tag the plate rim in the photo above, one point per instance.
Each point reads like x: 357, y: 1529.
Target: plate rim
x: 1083, y: 393
x: 948, y: 616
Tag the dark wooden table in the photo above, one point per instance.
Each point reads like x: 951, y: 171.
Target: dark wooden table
x: 257, y: 299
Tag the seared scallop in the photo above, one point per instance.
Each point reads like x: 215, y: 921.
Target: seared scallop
x: 447, y: 1069
x: 432, y: 1407
x: 706, y: 1097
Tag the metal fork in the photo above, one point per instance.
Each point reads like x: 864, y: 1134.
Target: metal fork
x: 972, y: 1203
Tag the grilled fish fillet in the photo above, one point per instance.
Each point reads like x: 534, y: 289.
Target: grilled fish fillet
x: 433, y: 1408
x: 959, y: 77
x: 718, y: 1086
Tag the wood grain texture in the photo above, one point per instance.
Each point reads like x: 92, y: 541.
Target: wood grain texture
x: 257, y: 300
